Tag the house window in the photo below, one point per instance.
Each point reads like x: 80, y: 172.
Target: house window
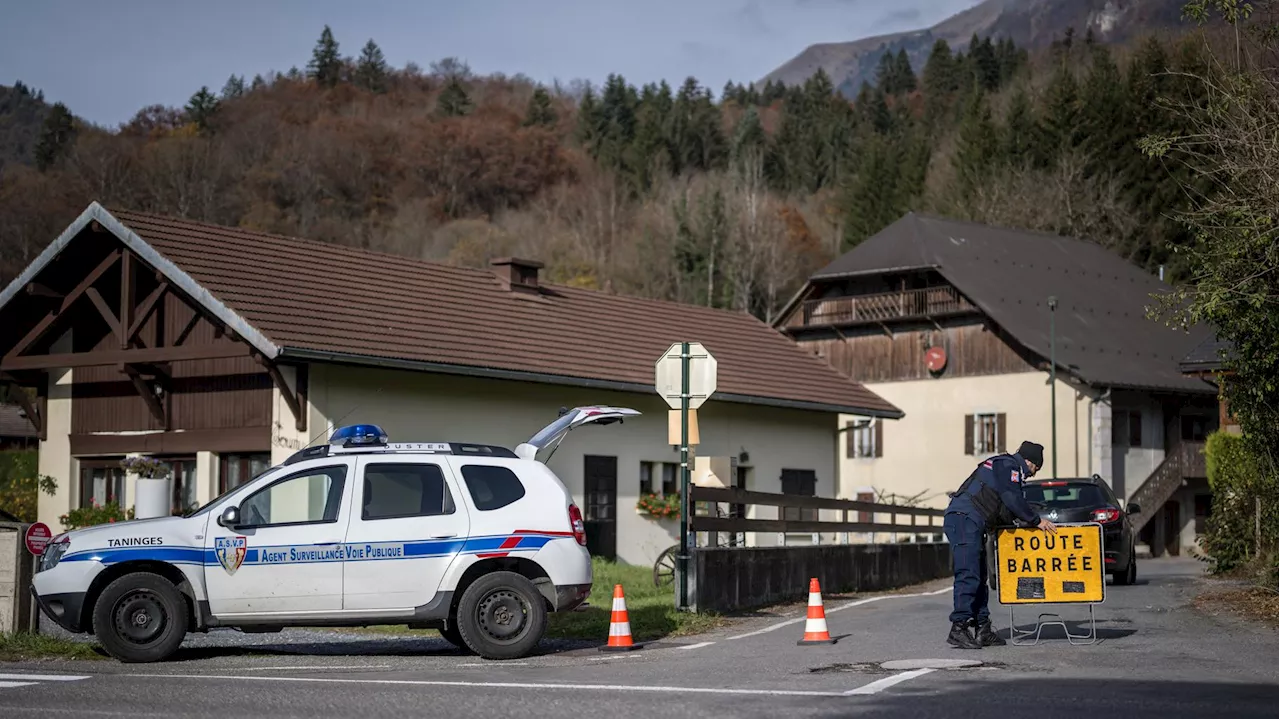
x: 236, y: 469
x: 1194, y: 428
x: 101, y: 482
x: 862, y: 439
x: 1126, y: 428
x: 984, y: 434
x: 669, y: 472
x: 801, y: 483
x: 182, y: 484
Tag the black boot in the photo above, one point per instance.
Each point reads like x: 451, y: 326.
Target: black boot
x: 985, y: 635
x: 960, y: 636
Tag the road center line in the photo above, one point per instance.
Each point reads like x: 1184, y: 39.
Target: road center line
x: 10, y: 685
x: 699, y: 645
x: 502, y: 685
x: 880, y: 685
x: 840, y: 608
x: 44, y: 677
x: 316, y: 667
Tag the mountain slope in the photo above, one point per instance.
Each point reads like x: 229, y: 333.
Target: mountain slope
x: 1031, y: 24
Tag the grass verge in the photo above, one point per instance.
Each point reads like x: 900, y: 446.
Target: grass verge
x: 650, y: 610
x: 23, y: 646
x: 1258, y: 604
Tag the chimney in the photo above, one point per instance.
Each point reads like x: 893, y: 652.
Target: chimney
x: 518, y: 275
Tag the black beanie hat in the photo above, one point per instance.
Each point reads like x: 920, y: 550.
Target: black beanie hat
x: 1033, y: 452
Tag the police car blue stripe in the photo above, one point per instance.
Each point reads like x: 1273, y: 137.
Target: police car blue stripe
x: 312, y: 554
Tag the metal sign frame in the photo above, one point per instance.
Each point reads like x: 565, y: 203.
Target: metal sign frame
x: 1017, y: 636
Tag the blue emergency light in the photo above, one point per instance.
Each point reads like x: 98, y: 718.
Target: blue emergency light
x: 358, y: 435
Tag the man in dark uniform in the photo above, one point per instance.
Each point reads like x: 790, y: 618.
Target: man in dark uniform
x: 990, y: 497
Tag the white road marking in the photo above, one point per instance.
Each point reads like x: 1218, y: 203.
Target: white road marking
x: 503, y: 685
x: 615, y: 656
x: 78, y: 711
x: 699, y: 645
x: 8, y: 685
x: 317, y: 667
x: 833, y: 610
x: 489, y: 664
x: 880, y: 685
x: 44, y: 677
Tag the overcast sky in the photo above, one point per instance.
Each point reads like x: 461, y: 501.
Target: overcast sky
x: 105, y: 60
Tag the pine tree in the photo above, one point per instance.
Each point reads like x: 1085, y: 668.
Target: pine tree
x: 649, y: 155
x: 201, y: 108
x: 1060, y: 115
x: 986, y: 66
x: 617, y: 120
x: 234, y: 88
x: 56, y: 135
x: 326, y: 64
x: 886, y: 81
x: 371, y: 68
x: 904, y: 75
x: 589, y: 129
x: 540, y: 111
x: 1018, y: 139
x: 1106, y: 124
x: 258, y: 83
x: 749, y: 139
x: 453, y: 100
x: 975, y: 146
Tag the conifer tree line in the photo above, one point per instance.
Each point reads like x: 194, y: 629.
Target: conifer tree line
x: 655, y: 190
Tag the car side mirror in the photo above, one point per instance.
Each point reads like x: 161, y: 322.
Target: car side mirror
x: 230, y: 517
x: 1133, y: 509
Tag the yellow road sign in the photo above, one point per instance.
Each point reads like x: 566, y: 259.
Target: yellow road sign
x: 1035, y: 567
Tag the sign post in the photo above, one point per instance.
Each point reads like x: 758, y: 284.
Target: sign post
x: 1036, y: 567
x: 37, y: 537
x: 685, y: 376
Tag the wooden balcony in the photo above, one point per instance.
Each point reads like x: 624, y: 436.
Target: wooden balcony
x: 883, y: 307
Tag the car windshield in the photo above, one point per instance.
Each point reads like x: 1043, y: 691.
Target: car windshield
x: 215, y: 500
x: 1066, y: 496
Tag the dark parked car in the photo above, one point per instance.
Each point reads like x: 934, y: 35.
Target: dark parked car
x: 1091, y: 500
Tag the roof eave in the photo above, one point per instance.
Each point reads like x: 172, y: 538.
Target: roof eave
x: 180, y: 279
x: 313, y: 355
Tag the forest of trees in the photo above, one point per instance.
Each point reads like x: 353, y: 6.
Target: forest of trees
x: 656, y: 191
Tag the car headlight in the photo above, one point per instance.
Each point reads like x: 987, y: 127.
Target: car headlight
x: 53, y: 552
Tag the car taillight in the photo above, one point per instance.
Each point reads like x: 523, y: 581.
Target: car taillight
x: 575, y: 521
x: 1106, y: 515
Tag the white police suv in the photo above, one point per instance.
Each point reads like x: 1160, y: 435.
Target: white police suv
x: 478, y: 541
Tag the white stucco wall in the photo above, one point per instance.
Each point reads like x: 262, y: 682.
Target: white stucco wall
x: 55, y: 458
x: 422, y: 407
x: 924, y: 451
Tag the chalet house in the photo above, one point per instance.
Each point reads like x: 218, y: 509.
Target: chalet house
x: 223, y: 351
x: 952, y: 322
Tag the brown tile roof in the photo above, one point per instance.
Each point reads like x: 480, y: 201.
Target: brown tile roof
x: 314, y: 297
x: 13, y: 423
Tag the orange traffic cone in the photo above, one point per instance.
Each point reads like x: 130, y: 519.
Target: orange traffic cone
x: 815, y: 624
x: 619, y: 625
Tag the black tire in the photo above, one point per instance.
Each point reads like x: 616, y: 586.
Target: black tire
x: 140, y: 617
x: 1130, y: 574
x: 502, y: 616
x: 450, y: 633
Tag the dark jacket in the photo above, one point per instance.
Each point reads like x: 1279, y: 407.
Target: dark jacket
x: 993, y: 494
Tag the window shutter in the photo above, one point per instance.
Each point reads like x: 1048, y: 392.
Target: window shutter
x: 1000, y: 433
x: 876, y: 440
x: 848, y: 441
x: 968, y: 434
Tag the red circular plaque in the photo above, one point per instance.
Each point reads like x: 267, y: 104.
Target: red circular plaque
x: 38, y: 536
x: 935, y: 358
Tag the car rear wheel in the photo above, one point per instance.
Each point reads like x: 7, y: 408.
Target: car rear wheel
x: 1130, y: 574
x: 502, y: 616
x: 140, y: 617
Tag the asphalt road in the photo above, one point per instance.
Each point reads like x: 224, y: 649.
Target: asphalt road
x: 1157, y: 657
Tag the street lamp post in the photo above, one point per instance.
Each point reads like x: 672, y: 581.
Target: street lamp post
x: 1053, y: 384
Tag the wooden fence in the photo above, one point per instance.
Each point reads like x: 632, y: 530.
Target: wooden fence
x: 801, y: 514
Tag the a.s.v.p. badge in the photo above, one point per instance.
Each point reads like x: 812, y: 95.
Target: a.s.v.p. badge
x: 230, y: 552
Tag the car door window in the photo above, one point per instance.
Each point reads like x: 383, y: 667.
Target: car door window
x: 393, y: 491
x: 309, y: 497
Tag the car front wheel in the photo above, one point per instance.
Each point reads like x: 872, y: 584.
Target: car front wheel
x: 140, y: 617
x: 502, y: 616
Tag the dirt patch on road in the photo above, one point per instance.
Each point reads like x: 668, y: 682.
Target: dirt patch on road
x: 1255, y: 604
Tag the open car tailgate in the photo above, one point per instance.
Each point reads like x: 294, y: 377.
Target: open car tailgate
x: 553, y: 434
